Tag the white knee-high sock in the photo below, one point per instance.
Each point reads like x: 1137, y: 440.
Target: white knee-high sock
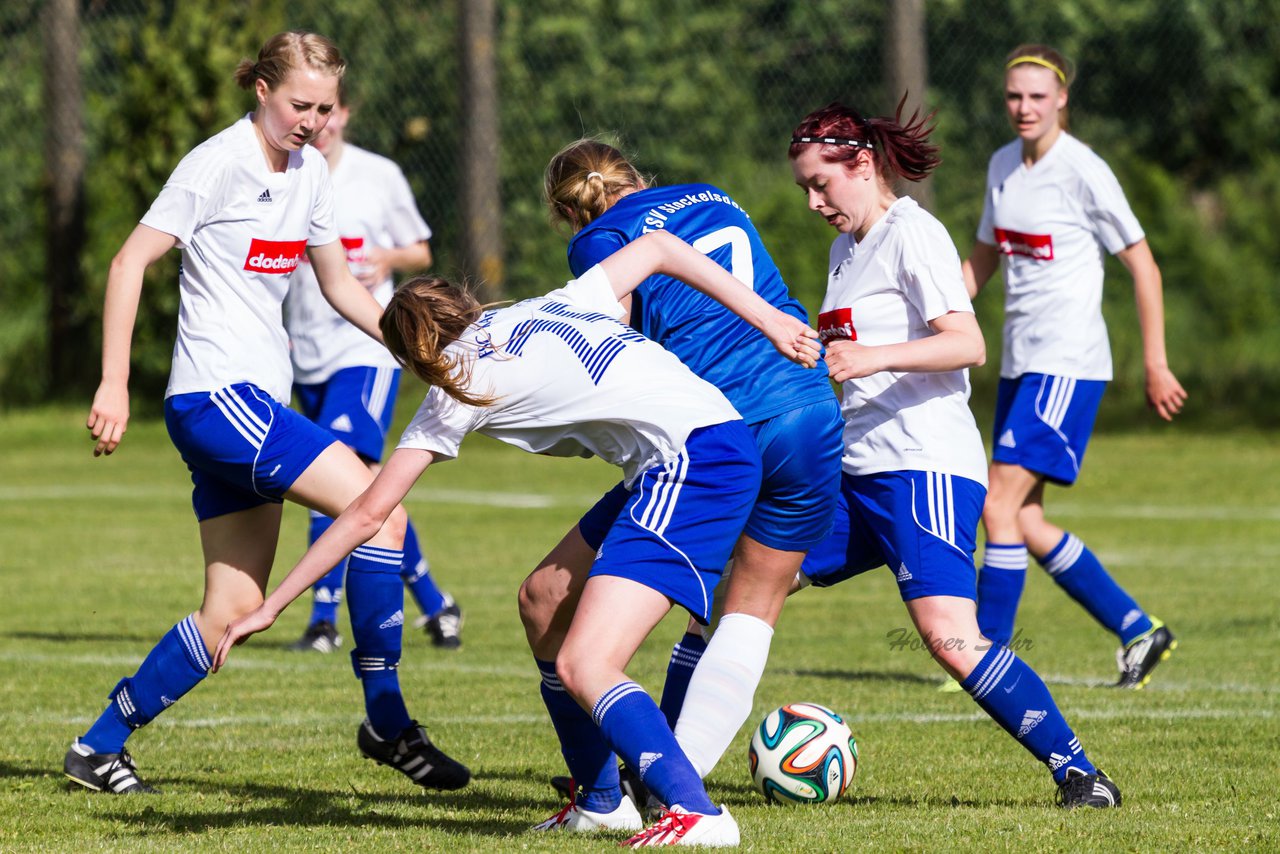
x: 722, y: 689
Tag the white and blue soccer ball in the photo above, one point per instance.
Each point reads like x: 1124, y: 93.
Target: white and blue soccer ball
x: 802, y: 753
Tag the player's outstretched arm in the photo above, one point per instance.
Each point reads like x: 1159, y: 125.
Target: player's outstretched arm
x: 1164, y: 393
x: 956, y: 343
x: 355, y: 526
x: 979, y: 267
x: 343, y: 291
x: 661, y: 252
x: 109, y: 413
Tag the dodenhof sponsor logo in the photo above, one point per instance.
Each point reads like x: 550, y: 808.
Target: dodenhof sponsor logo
x: 1038, y: 246
x: 274, y: 256
x: 836, y: 325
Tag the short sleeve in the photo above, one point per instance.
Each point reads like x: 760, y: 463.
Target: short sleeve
x: 930, y: 271
x: 592, y: 246
x: 323, y: 228
x: 179, y: 211
x: 440, y: 425
x: 592, y: 291
x: 1108, y: 209
x: 404, y: 222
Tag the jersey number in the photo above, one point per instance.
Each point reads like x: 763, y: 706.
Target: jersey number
x: 740, y: 264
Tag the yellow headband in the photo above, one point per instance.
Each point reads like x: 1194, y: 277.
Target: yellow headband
x: 1038, y: 61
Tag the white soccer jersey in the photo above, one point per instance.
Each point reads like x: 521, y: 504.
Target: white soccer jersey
x: 885, y: 290
x: 571, y: 380
x: 373, y: 207
x: 242, y: 229
x: 1052, y: 222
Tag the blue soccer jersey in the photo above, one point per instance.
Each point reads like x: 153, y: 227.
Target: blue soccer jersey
x: 715, y: 343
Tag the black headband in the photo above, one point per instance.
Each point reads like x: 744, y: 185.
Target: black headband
x: 831, y: 140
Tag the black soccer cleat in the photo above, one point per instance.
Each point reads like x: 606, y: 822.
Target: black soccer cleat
x: 320, y: 636
x: 1087, y: 790
x: 445, y: 626
x: 113, y: 773
x: 630, y: 783
x: 564, y: 786
x: 1137, y: 659
x: 413, y: 755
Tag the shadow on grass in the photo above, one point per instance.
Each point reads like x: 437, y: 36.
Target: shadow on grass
x: 83, y: 637
x: 865, y: 676
x: 473, y: 810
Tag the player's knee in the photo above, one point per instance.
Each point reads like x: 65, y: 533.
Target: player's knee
x: 540, y: 595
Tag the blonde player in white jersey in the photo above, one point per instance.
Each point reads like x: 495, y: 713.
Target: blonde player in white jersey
x: 1052, y: 210
x: 244, y: 207
x: 344, y: 380
x: 561, y: 375
x: 900, y: 335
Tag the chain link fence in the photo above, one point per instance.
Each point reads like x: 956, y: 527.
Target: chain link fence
x: 693, y: 89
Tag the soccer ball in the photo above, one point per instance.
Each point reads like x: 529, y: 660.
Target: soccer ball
x: 802, y: 753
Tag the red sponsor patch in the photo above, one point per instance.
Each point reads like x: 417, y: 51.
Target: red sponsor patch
x: 1038, y: 246
x: 836, y: 325
x: 274, y: 256
x: 354, y: 247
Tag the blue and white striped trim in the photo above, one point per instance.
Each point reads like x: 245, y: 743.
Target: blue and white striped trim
x: 375, y: 663
x: 661, y: 505
x: 610, y: 698
x: 683, y: 657
x: 1074, y: 745
x: 999, y: 666
x: 375, y: 554
x: 940, y: 502
x: 245, y: 421
x: 1065, y: 558
x: 1005, y: 557
x: 552, y: 682
x: 1051, y: 408
x: 193, y: 643
x: 126, y: 705
x: 378, y: 393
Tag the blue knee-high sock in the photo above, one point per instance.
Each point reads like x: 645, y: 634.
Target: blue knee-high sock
x: 375, y: 604
x: 1016, y: 698
x: 173, y: 667
x: 1079, y: 572
x: 1000, y: 582
x: 417, y: 575
x: 327, y: 592
x: 589, y: 759
x: 684, y: 658
x: 633, y: 725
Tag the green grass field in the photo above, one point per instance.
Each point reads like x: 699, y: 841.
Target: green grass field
x: 100, y: 557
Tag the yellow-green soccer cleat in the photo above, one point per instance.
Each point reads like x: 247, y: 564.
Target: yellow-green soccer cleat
x: 1140, y: 656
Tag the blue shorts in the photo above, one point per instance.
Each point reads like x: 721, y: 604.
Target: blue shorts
x: 800, y: 451
x: 922, y: 524
x: 243, y: 447
x: 675, y: 529
x: 355, y: 405
x: 1043, y: 423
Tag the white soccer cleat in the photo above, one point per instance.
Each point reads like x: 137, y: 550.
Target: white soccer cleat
x: 573, y: 817
x: 678, y: 827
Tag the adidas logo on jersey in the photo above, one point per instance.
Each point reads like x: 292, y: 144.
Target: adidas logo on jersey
x: 265, y: 198
x: 904, y: 574
x: 1007, y: 440
x: 396, y: 619
x: 1030, y: 720
x: 341, y: 424
x: 647, y: 759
